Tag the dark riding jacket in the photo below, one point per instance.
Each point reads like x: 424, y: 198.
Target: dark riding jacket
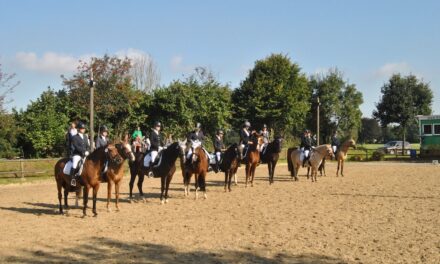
x: 155, y: 140
x: 218, y: 144
x: 101, y: 141
x: 193, y: 136
x: 306, y: 143
x: 245, y: 138
x: 335, y: 141
x: 80, y: 145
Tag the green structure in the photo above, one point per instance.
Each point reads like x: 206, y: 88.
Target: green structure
x: 429, y: 135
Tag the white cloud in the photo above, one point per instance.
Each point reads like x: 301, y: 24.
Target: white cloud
x: 132, y: 54
x: 178, y: 66
x: 389, y: 69
x: 49, y: 62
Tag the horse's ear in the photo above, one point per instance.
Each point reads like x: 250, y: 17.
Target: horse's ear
x: 125, y: 138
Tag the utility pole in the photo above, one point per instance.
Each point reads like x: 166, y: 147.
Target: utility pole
x: 92, y: 131
x: 317, y: 120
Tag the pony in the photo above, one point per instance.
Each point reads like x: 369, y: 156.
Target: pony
x: 115, y: 172
x: 315, y: 160
x: 321, y: 168
x: 252, y: 158
x: 166, y: 167
x: 199, y: 167
x: 270, y: 155
x: 229, y: 164
x: 136, y: 170
x: 93, y: 167
x: 341, y: 154
x: 63, y: 183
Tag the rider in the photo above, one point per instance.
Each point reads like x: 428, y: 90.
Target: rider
x: 80, y: 150
x: 196, y: 136
x: 102, y: 139
x: 335, y: 142
x: 265, y: 134
x: 306, y: 145
x: 70, y: 134
x: 155, y: 141
x: 137, y: 133
x: 245, y: 138
x: 219, y: 147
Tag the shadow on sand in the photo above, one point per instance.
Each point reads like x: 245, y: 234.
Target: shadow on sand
x: 104, y: 250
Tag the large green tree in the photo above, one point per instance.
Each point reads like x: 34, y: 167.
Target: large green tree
x: 44, y: 125
x: 339, y: 105
x: 275, y: 93
x: 115, y: 98
x: 403, y: 97
x: 370, y: 131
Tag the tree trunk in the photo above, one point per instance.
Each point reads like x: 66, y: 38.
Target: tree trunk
x: 403, y: 143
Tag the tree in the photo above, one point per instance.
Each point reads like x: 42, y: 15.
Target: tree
x: 145, y: 74
x: 370, y: 131
x: 115, y: 97
x: 340, y: 102
x: 402, y: 99
x: 44, y: 125
x: 275, y: 93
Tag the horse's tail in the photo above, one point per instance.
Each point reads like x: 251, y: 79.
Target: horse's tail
x: 289, y: 160
x: 201, y: 182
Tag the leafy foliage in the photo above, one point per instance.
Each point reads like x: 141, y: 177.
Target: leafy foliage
x: 370, y: 131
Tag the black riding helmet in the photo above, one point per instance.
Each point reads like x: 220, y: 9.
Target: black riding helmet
x: 157, y: 124
x: 103, y: 129
x: 81, y: 125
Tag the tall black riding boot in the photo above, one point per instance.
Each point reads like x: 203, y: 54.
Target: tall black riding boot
x: 72, y: 177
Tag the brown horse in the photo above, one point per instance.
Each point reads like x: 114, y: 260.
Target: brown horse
x: 93, y: 166
x: 341, y: 154
x: 321, y: 168
x: 270, y: 155
x: 136, y: 170
x: 252, y: 158
x: 199, y: 167
x: 115, y: 172
x: 229, y: 164
x: 63, y: 183
x: 315, y: 160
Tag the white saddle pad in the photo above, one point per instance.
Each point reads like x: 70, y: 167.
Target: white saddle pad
x: 212, y: 159
x: 302, y: 156
x: 68, y: 167
x: 147, y: 159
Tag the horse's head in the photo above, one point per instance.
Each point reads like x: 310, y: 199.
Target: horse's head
x: 278, y: 144
x: 113, y: 154
x: 352, y: 143
x: 125, y: 151
x: 182, y: 145
x: 329, y: 151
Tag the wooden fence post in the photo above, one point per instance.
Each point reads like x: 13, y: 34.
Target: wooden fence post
x: 21, y: 168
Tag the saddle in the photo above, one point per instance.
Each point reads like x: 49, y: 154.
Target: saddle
x: 69, y: 164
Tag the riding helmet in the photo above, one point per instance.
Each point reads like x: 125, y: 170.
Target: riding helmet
x: 198, y: 125
x: 219, y: 132
x: 157, y: 124
x: 247, y: 124
x: 103, y: 128
x: 81, y: 125
x: 264, y: 126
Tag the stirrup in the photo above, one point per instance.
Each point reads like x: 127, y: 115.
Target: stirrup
x: 73, y: 182
x: 150, y: 174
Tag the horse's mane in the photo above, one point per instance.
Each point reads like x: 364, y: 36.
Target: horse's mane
x: 96, y: 154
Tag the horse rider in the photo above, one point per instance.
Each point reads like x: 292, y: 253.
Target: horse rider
x: 245, y: 138
x: 306, y: 145
x: 102, y: 139
x: 219, y: 148
x: 70, y: 134
x: 156, y: 144
x: 137, y: 133
x: 265, y: 134
x: 80, y: 150
x: 335, y: 142
x: 196, y: 138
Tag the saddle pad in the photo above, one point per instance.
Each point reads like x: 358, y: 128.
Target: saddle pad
x: 212, y: 160
x: 147, y: 159
x: 67, y: 167
x: 302, y: 156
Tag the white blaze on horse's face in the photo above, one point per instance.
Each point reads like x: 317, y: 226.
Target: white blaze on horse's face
x: 128, y: 150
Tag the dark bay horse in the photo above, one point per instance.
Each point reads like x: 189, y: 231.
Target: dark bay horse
x: 93, y: 166
x: 199, y: 167
x: 63, y: 183
x: 115, y: 172
x: 270, y: 155
x: 166, y: 167
x: 229, y: 164
x: 252, y: 158
x: 136, y: 170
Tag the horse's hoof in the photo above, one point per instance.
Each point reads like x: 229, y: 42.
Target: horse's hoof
x: 162, y: 202
x: 230, y: 190
x: 205, y: 196
x: 109, y: 210
x: 117, y: 210
x: 166, y: 200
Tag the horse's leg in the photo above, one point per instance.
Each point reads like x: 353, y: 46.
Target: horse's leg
x: 203, y: 183
x: 254, y: 166
x: 226, y: 178
x: 85, y: 198
x: 196, y: 184
x: 60, y: 196
x: 140, y: 182
x: 132, y: 179
x: 229, y: 180
x: 109, y: 194
x: 248, y: 167
x: 308, y: 171
x: 342, y: 167
x: 169, y: 178
x: 235, y: 178
x: 162, y: 187
x: 187, y: 181
x: 337, y: 170
x: 274, y: 164
x: 117, y: 184
x: 95, y: 194
x: 269, y: 168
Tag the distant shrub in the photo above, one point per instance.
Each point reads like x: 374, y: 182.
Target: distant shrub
x: 378, y: 155
x: 356, y: 158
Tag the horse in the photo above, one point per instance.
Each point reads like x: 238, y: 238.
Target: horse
x: 252, y: 158
x: 199, y: 167
x: 63, y: 183
x: 341, y: 154
x: 270, y: 155
x: 321, y: 168
x: 229, y: 164
x: 166, y: 167
x: 316, y: 157
x: 116, y: 172
x: 137, y: 170
x: 93, y: 167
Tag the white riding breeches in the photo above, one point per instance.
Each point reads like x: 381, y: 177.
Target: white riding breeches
x: 334, y: 149
x: 306, y: 153
x: 75, y: 161
x: 154, y: 155
x: 218, y: 155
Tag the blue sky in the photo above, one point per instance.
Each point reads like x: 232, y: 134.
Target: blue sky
x: 366, y: 40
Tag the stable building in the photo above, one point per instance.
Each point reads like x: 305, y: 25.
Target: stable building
x: 429, y: 127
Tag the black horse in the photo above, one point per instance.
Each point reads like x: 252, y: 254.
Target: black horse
x: 270, y: 155
x: 136, y: 170
x: 166, y: 166
x: 230, y: 163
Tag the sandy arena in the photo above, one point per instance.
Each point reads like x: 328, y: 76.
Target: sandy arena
x: 377, y: 213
